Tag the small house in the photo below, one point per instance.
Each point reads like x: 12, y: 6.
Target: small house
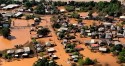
x: 78, y: 48
x: 18, y: 14
x: 54, y: 57
x: 51, y: 50
x: 10, y: 51
x: 38, y: 49
x: 48, y: 44
x: 18, y: 51
x: 122, y: 17
x: 10, y: 6
x: 87, y: 42
x: 26, y: 49
x: 102, y: 49
x: 94, y: 46
x: 62, y: 10
x: 62, y: 29
x: 64, y: 41
x: 117, y: 42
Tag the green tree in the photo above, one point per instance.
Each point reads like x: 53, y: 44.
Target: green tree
x: 88, y: 61
x: 40, y: 9
x: 71, y: 46
x: 79, y: 20
x: 41, y: 54
x: 56, y: 25
x: 121, y: 56
x: 28, y: 4
x: 6, y: 32
x: 70, y: 8
x: 114, y: 1
x: 118, y: 47
x: 80, y: 62
x: 6, y: 56
x: 75, y: 15
x: 43, y: 31
x: 123, y: 23
x: 90, y: 14
x: 45, y: 62
x: 61, y: 35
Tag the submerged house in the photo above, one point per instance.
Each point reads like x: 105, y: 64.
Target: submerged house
x: 26, y: 49
x: 18, y: 14
x: 18, y: 51
x: 51, y: 50
x: 102, y: 49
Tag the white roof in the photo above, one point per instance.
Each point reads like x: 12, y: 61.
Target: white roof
x: 92, y: 41
x: 26, y: 49
x: 74, y: 56
x: 19, y: 51
x: 40, y: 57
x: 62, y: 28
x: 16, y: 55
x: 62, y: 10
x: 25, y: 54
x: 102, y: 49
x: 122, y: 17
x: 10, y: 51
x: 54, y: 56
x: 3, y: 5
x: 51, y: 49
x: 36, y: 18
x: 38, y: 48
x: 65, y: 40
x: 75, y: 24
x: 117, y: 42
x: 48, y: 44
x: 18, y: 14
x: 106, y: 23
x: 10, y: 6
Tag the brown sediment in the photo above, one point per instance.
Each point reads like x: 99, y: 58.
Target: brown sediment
x: 23, y: 35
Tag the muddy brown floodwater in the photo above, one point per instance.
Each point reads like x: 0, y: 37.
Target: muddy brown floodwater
x: 22, y: 35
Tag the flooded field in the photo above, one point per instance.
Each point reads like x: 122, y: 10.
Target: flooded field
x: 20, y: 62
x: 19, y: 35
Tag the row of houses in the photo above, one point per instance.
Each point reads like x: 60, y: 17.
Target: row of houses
x: 25, y: 51
x: 10, y: 6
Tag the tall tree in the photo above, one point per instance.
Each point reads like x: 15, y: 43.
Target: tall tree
x: 43, y: 31
x: 5, y: 32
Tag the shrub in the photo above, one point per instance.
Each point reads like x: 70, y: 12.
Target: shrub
x: 75, y: 15
x: 88, y: 61
x: 70, y: 8
x: 56, y: 25
x: 123, y: 23
x: 80, y: 62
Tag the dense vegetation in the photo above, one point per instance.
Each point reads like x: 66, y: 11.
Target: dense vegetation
x: 45, y: 62
x: 43, y: 31
x: 87, y: 61
x: 5, y: 32
x: 113, y: 8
